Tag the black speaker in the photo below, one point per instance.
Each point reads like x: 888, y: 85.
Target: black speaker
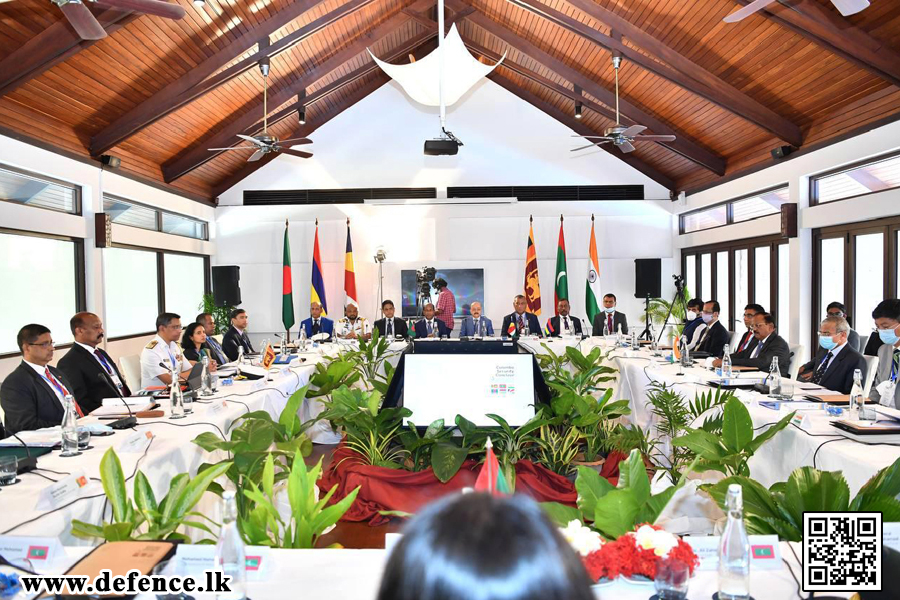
x: 781, y: 151
x: 226, y: 283
x: 647, y: 277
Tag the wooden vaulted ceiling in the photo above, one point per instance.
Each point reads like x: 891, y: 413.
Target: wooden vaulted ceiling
x: 158, y: 93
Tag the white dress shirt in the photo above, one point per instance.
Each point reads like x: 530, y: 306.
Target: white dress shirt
x: 158, y: 351
x: 111, y: 372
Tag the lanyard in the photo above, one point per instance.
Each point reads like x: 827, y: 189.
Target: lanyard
x: 894, y: 367
x: 56, y: 385
x: 172, y: 358
x: 103, y: 362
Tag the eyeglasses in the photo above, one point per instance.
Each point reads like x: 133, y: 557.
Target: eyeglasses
x: 175, y: 327
x: 45, y: 345
x: 835, y: 314
x: 749, y: 315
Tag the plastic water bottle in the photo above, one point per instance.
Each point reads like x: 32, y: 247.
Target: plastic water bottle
x: 685, y: 352
x: 619, y: 338
x: 230, y: 556
x: 774, y: 378
x: 605, y: 328
x: 858, y: 401
x: 634, y: 340
x: 239, y: 361
x: 176, y: 398
x: 302, y: 341
x: 69, y: 428
x: 734, y: 550
x: 654, y: 345
x: 525, y: 329
x: 206, y: 377
x: 727, y: 371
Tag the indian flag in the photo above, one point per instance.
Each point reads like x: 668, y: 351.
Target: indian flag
x: 592, y: 287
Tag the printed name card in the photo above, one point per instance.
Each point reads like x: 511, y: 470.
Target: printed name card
x: 891, y: 535
x: 218, y: 406
x: 258, y: 384
x: 765, y: 552
x: 195, y: 559
x: 136, y: 442
x: 63, y: 491
x: 40, y: 551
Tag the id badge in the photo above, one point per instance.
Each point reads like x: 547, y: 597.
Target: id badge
x: 886, y: 389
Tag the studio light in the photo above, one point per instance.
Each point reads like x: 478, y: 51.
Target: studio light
x: 578, y: 108
x: 301, y: 115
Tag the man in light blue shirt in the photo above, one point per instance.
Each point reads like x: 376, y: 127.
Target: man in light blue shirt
x: 476, y: 324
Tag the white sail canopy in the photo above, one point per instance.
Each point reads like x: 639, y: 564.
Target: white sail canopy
x: 421, y: 79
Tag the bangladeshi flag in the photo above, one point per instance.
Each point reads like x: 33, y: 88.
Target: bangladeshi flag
x: 287, y: 291
x: 561, y: 289
x: 491, y: 478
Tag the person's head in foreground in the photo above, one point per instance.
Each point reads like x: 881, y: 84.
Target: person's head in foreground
x: 477, y: 547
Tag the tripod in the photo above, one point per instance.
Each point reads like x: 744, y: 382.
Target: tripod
x: 646, y: 335
x: 679, y: 298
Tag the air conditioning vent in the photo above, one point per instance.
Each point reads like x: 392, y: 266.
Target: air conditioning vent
x: 339, y: 196
x: 551, y: 193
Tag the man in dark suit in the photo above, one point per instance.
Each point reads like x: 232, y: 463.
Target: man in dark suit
x: 714, y: 336
x: 514, y: 323
x: 316, y: 323
x: 91, y: 371
x: 768, y: 345
x: 476, y: 324
x: 32, y: 396
x: 430, y: 327
x: 837, y: 309
x: 563, y: 323
x: 390, y: 325
x: 748, y: 341
x: 236, y: 337
x: 609, y: 317
x: 209, y: 326
x: 836, y: 359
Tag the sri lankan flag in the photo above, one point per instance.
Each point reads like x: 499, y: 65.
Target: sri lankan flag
x: 349, y: 274
x: 532, y: 283
x: 287, y: 292
x: 491, y: 478
x: 317, y: 294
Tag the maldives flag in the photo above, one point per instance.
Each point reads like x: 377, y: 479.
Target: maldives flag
x: 491, y: 478
x: 561, y: 289
x: 349, y: 274
x: 287, y: 292
x: 317, y: 293
x: 532, y: 283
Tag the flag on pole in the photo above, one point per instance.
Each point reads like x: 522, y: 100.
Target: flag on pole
x: 287, y: 291
x: 268, y: 356
x: 349, y: 274
x: 317, y: 293
x: 561, y: 290
x: 532, y: 282
x: 592, y: 286
x: 491, y: 478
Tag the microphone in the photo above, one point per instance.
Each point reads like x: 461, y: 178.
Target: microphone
x: 29, y: 463
x: 125, y: 422
x: 170, y: 369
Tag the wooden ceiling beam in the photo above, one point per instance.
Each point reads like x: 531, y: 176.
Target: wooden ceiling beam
x: 679, y: 69
x: 51, y: 47
x: 204, y: 78
x: 197, y: 154
x: 838, y: 35
x: 581, y: 128
x: 631, y: 113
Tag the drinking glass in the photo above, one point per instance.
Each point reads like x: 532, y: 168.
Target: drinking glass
x: 671, y: 579
x: 84, y: 438
x: 9, y: 465
x: 787, y: 389
x: 171, y: 568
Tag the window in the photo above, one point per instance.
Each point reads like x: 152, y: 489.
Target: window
x: 42, y: 285
x: 722, y: 287
x: 762, y: 273
x: 784, y: 280
x: 741, y: 283
x: 869, y: 288
x: 185, y: 283
x: 706, y: 277
x: 132, y: 291
x: 745, y: 208
x: 873, y: 176
x: 831, y: 274
x: 132, y: 214
x: 34, y: 190
x: 690, y: 274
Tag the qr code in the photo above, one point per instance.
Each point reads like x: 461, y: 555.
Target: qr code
x: 841, y: 551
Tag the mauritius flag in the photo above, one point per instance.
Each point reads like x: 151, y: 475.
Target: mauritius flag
x: 317, y: 293
x: 287, y: 292
x: 491, y: 478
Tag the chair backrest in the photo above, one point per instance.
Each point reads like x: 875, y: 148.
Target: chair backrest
x: 871, y: 368
x: 735, y: 340
x: 219, y: 338
x: 131, y: 369
x: 798, y: 355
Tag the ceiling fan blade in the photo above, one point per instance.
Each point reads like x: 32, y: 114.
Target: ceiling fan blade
x: 169, y: 10
x: 232, y: 148
x: 252, y: 140
x: 297, y: 153
x: 296, y: 141
x: 755, y: 6
x: 633, y: 130
x: 626, y: 147
x: 256, y: 156
x: 850, y: 7
x: 655, y: 138
x: 83, y: 21
x: 590, y: 145
x: 590, y: 137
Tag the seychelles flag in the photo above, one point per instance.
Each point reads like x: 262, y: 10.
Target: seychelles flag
x: 349, y: 274
x: 287, y: 292
x: 491, y: 478
x: 317, y: 294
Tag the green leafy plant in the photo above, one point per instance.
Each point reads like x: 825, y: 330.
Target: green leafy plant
x: 513, y: 445
x: 143, y: 518
x: 659, y: 308
x: 307, y: 518
x: 730, y: 450
x: 434, y: 448
x: 222, y: 314
x: 558, y: 449
x: 588, y: 371
x: 331, y: 376
x: 779, y: 509
x: 370, y: 361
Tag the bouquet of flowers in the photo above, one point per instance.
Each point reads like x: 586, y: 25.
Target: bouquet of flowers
x: 637, y: 553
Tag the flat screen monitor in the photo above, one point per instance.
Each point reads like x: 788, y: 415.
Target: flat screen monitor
x: 441, y: 386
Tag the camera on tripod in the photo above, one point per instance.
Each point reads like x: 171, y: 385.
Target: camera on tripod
x: 424, y: 279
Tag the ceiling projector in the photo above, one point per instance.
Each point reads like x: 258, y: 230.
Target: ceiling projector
x: 444, y: 146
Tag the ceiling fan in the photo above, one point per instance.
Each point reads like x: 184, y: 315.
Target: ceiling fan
x: 86, y: 25
x: 845, y: 7
x: 618, y: 134
x: 265, y: 143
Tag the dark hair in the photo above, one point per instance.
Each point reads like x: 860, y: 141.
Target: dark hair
x: 757, y: 308
x: 235, y: 313
x: 29, y: 334
x: 78, y: 320
x: 838, y: 305
x: 613, y: 296
x: 887, y: 309
x: 186, y: 341
x: 386, y: 302
x: 694, y: 303
x: 202, y: 317
x: 440, y: 282
x: 715, y: 306
x: 477, y: 547
x: 768, y: 318
x: 164, y: 319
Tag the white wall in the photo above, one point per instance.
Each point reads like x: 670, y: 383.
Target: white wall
x: 796, y: 173
x: 15, y: 216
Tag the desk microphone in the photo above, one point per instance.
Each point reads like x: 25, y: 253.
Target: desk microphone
x: 29, y: 463
x: 126, y: 422
x: 171, y: 370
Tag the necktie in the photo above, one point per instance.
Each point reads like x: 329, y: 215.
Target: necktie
x: 428, y: 328
x: 566, y: 322
x: 389, y: 329
x: 756, y: 350
x: 609, y: 324
x: 702, y: 337
x: 823, y: 366
x: 521, y: 323
x: 746, y: 342
x: 61, y: 388
x: 315, y: 327
x: 245, y: 341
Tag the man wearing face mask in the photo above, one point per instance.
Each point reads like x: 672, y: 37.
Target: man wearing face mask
x: 887, y: 321
x: 692, y: 318
x: 833, y: 365
x: 712, y: 340
x: 609, y: 317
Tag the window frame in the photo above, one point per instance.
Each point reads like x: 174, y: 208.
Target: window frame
x: 80, y: 284
x: 78, y: 212
x: 814, y: 179
x: 729, y: 210
x: 158, y: 217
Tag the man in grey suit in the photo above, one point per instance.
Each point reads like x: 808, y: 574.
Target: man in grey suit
x: 884, y: 387
x: 768, y: 345
x: 609, y: 317
x: 476, y: 324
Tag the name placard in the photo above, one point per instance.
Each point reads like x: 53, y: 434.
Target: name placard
x: 136, y: 442
x: 63, y: 491
x: 194, y: 559
x: 765, y: 552
x: 218, y: 406
x: 40, y: 551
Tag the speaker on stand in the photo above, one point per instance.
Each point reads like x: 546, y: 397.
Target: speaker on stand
x: 647, y: 284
